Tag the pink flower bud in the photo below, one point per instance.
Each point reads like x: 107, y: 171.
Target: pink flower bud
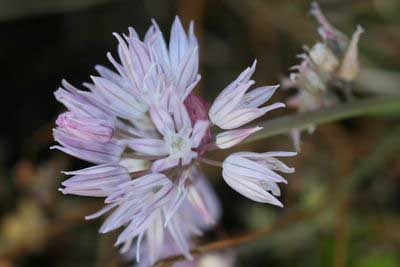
x: 198, y: 108
x: 86, y: 127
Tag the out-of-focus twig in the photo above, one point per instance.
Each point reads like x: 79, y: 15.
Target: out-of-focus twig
x: 344, y: 151
x: 289, y: 220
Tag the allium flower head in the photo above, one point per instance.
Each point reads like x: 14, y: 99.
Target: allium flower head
x: 147, y: 133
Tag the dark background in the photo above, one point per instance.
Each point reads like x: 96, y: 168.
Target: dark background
x: 43, y: 42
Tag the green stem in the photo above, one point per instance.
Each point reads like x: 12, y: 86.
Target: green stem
x: 287, y: 123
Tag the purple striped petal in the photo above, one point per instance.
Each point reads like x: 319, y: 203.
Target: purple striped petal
x: 88, y: 128
x: 79, y: 102
x: 258, y: 96
x: 110, y: 75
x: 135, y: 228
x: 225, y: 103
x: 200, y: 129
x: 243, y: 78
x: 181, y: 116
x: 187, y: 72
x: 268, y: 159
x: 178, y: 44
x: 91, y: 151
x: 96, y: 181
x: 164, y: 164
x: 155, y: 239
x: 240, y: 117
x: 231, y: 138
x: 147, y: 146
x: 179, y: 238
x: 124, y: 104
x: 249, y: 188
x: 101, y: 212
x: 251, y: 169
x: 162, y: 120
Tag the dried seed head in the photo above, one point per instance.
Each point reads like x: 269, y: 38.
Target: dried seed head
x: 350, y: 65
x: 323, y: 57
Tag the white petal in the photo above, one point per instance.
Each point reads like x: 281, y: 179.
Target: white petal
x: 123, y: 103
x: 176, y: 202
x: 225, y: 103
x: 135, y: 59
x: 110, y: 75
x: 159, y: 49
x: 258, y: 96
x: 191, y: 86
x: 162, y: 120
x: 249, y: 189
x: 155, y: 239
x: 138, y: 245
x: 243, y: 77
x: 179, y: 238
x: 203, y: 198
x: 187, y: 71
x: 273, y: 188
x: 231, y: 138
x: 135, y: 228
x: 181, y: 116
x: 155, y: 147
x: 88, y: 150
x: 99, y: 169
x: 164, y: 164
x: 269, y: 160
x: 254, y: 155
x: 178, y: 44
x: 199, y: 130
x: 240, y: 117
x: 104, y: 210
x: 140, y: 56
x: 251, y: 169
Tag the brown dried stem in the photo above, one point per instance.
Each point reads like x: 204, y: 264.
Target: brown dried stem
x: 289, y: 220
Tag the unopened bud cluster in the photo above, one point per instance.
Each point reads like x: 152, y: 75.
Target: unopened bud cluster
x: 327, y: 69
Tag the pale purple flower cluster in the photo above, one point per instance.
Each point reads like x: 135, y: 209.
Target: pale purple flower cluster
x: 147, y: 132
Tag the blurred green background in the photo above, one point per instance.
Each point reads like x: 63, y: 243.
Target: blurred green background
x: 342, y: 204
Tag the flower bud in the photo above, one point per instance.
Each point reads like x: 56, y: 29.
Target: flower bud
x: 86, y: 127
x: 323, y: 57
x: 335, y: 39
x: 350, y: 66
x: 307, y: 78
x: 304, y: 101
x: 198, y: 108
